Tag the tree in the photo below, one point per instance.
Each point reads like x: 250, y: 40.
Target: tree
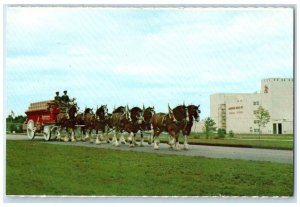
x: 209, y: 127
x: 263, y: 117
x: 15, y: 123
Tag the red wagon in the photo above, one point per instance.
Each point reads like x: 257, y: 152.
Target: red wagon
x: 41, y: 117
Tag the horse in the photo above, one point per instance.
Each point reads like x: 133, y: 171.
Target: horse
x: 80, y: 121
x: 173, y: 122
x: 117, y: 121
x: 100, y: 122
x: 193, y: 114
x: 120, y: 109
x: 88, y: 122
x: 67, y: 120
x: 146, y: 123
x: 132, y: 124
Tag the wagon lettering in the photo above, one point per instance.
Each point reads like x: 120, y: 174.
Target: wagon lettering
x: 46, y: 117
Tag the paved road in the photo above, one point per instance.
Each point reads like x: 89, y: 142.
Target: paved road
x: 280, y: 156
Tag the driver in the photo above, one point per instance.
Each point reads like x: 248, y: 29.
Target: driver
x: 65, y: 98
x: 57, y: 98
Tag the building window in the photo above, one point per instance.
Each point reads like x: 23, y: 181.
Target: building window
x: 256, y: 103
x: 256, y: 130
x: 256, y: 121
x: 255, y: 112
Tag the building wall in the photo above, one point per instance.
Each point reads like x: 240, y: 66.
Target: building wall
x: 197, y: 126
x: 276, y: 95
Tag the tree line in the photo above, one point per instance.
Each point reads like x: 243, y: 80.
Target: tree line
x: 14, y: 124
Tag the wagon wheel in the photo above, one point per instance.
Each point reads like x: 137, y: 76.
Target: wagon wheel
x: 30, y: 129
x: 54, y: 132
x: 47, y: 133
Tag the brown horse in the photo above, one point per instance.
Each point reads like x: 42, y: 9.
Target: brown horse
x: 117, y: 122
x: 100, y: 122
x: 132, y: 124
x: 88, y: 122
x: 173, y: 122
x: 146, y: 123
x: 67, y: 120
x: 193, y: 115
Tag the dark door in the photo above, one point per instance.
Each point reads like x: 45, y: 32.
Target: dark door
x: 279, y: 128
x: 274, y: 129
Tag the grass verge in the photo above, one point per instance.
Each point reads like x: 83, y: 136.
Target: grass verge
x: 35, y: 168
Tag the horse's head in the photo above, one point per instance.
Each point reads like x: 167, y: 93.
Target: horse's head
x: 136, y: 115
x: 72, y: 111
x: 102, y: 111
x: 120, y: 109
x: 88, y: 111
x: 180, y: 112
x: 148, y: 113
x: 194, y: 112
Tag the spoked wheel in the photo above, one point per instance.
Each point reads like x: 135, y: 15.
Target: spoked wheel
x: 47, y: 133
x: 30, y: 129
x: 54, y: 132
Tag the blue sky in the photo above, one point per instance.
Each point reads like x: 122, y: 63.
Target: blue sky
x: 136, y: 56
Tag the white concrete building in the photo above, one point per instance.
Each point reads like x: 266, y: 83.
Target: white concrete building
x: 197, y: 126
x: 236, y: 111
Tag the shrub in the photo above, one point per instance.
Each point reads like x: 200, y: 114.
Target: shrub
x: 231, y: 134
x: 221, y: 133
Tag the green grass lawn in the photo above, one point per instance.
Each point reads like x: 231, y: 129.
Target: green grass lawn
x: 36, y: 168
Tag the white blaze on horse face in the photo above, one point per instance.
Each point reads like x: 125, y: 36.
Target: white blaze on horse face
x: 139, y: 117
x: 198, y: 118
x: 140, y: 121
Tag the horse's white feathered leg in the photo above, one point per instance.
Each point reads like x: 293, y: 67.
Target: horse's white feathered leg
x: 185, y: 145
x: 73, y: 136
x: 156, y: 143
x: 122, y: 138
x: 142, y: 140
